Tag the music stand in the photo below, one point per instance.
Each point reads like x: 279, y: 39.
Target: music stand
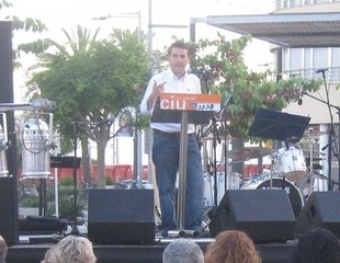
x: 276, y: 125
x: 185, y: 117
x: 63, y: 162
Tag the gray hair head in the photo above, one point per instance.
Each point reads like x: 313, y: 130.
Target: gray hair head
x: 183, y: 251
x: 3, y: 249
x: 75, y: 249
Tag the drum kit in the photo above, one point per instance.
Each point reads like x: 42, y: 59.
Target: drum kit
x: 287, y: 171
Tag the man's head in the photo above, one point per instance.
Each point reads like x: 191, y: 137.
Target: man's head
x: 179, y: 54
x: 184, y: 251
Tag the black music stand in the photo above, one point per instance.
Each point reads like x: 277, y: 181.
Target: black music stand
x: 276, y: 125
x: 64, y: 161
x: 184, y: 117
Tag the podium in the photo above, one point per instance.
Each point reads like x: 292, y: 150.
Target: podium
x: 185, y: 108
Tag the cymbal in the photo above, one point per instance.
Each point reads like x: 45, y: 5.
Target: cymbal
x: 248, y: 153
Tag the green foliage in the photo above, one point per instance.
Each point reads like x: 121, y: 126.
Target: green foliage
x: 91, y: 81
x: 66, y: 181
x: 66, y: 204
x: 227, y: 74
x: 27, y: 25
x: 109, y: 180
x: 30, y: 202
x: 4, y: 4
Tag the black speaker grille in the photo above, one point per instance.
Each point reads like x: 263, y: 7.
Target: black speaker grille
x: 121, y: 216
x: 265, y: 215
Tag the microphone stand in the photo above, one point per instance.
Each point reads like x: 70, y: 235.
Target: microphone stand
x: 226, y: 145
x: 216, y: 139
x: 331, y: 135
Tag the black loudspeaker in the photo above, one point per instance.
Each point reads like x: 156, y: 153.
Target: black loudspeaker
x: 121, y: 216
x: 322, y: 209
x: 9, y: 223
x: 265, y: 215
x: 42, y: 225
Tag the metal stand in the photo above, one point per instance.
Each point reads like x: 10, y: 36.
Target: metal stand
x: 331, y: 135
x: 74, y: 230
x: 182, y: 182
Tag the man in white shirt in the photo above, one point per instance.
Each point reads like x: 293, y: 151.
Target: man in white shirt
x: 166, y: 143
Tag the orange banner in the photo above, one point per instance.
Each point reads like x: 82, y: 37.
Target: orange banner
x: 190, y: 102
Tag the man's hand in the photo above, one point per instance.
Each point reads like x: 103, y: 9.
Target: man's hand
x: 156, y: 91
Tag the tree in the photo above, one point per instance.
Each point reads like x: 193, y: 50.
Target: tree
x: 91, y: 88
x: 226, y: 73
x: 79, y: 42
x: 28, y: 25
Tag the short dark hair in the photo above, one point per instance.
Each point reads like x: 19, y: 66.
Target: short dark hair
x: 180, y: 44
x: 317, y: 245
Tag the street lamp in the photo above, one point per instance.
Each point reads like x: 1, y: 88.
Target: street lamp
x: 133, y: 15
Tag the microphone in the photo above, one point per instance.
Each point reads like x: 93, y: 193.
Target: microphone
x: 195, y: 71
x: 321, y: 70
x: 325, y: 147
x: 300, y: 101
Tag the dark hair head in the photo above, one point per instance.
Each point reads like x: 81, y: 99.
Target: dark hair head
x: 317, y: 246
x: 181, y: 44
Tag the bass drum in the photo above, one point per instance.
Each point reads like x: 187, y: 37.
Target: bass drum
x: 294, y: 194
x: 292, y: 163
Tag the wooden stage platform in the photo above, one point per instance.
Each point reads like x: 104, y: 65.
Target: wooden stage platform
x: 151, y: 253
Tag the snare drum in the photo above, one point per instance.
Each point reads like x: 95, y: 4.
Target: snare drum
x: 291, y: 162
x: 294, y: 193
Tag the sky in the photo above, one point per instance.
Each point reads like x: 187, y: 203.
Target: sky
x: 67, y: 14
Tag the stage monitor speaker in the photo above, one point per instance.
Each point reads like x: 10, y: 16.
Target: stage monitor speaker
x: 265, y: 215
x: 121, y: 216
x: 9, y: 223
x: 322, y: 209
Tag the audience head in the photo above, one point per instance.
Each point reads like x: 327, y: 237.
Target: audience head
x: 317, y: 246
x: 232, y: 246
x: 50, y: 255
x: 182, y: 251
x: 3, y: 249
x: 74, y: 249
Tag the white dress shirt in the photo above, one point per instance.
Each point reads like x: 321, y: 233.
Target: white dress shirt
x: 188, y: 84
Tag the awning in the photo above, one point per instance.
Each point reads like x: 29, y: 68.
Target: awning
x: 287, y: 30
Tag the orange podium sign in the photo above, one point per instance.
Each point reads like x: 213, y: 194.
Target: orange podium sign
x: 190, y: 102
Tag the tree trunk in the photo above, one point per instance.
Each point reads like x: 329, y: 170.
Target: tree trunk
x: 85, y: 159
x: 101, y: 164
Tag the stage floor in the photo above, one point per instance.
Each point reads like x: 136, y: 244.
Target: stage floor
x: 151, y: 253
